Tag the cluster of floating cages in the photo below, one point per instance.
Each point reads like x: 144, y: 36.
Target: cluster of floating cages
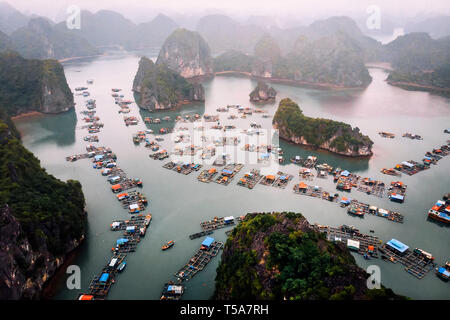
x: 282, y: 180
x: 92, y: 151
x: 358, y: 208
x: 250, y: 179
x: 411, y: 167
x: 415, y: 262
x: 188, y: 118
x: 91, y: 138
x: 364, y: 244
x: 306, y: 174
x: 207, y: 176
x: 315, y: 191
x: 228, y: 173
x: 184, y: 168
x: 210, y: 118
x: 131, y: 199
x: 160, y: 155
x: 130, y: 120
x: 374, y: 187
x: 397, y: 191
x: 200, y: 234
x: 390, y: 172
x: 198, y: 262
x: 217, y: 223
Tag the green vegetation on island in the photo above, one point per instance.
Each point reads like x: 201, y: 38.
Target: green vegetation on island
x: 32, y: 85
x: 277, y: 256
x: 158, y: 87
x: 335, y: 136
x: 41, y: 218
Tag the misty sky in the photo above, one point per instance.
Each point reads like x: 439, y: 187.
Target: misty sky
x: 144, y: 10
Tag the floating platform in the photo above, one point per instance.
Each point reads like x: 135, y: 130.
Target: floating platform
x: 366, y: 244
x: 283, y: 180
x: 415, y: 264
x: 207, y: 175
x: 250, y: 179
x: 228, y: 173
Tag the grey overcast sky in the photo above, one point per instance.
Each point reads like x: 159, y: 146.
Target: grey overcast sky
x: 139, y: 8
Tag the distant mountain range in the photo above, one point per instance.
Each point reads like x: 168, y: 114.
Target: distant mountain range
x: 332, y: 50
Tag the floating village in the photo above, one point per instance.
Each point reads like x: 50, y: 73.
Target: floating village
x: 188, y: 157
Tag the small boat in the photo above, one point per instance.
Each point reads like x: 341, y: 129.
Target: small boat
x: 168, y: 245
x: 122, y: 266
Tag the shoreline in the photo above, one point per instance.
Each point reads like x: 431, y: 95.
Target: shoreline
x: 314, y: 85
x: 27, y: 115
x: 81, y: 57
x: 51, y: 286
x: 314, y: 148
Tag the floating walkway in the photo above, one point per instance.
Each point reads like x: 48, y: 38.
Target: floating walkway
x: 199, y: 261
x: 415, y: 263
x: 362, y: 243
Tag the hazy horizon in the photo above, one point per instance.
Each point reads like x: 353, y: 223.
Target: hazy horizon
x: 282, y: 12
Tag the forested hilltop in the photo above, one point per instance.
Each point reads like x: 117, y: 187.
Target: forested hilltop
x: 33, y: 85
x: 158, y: 87
x: 42, y: 219
x: 334, y: 136
x: 278, y: 256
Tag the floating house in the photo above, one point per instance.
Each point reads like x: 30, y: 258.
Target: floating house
x: 396, y: 197
x: 397, y: 246
x: 352, y: 244
x: 206, y: 244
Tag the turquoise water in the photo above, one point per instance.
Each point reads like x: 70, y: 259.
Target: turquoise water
x: 179, y: 203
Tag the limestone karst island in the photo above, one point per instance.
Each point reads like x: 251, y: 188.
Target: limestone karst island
x: 238, y: 159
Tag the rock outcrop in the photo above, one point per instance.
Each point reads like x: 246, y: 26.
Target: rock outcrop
x: 280, y: 256
x: 43, y: 82
x: 334, y: 136
x: 186, y: 53
x: 157, y: 87
x: 42, y: 219
x: 263, y: 93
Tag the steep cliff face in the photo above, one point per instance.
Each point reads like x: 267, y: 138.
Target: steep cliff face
x: 41, y: 40
x: 186, y: 53
x: 277, y: 256
x: 158, y: 87
x: 42, y: 219
x: 263, y: 93
x: 334, y: 136
x: 33, y: 85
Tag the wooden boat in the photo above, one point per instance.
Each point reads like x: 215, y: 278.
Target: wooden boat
x: 168, y: 245
x: 122, y: 266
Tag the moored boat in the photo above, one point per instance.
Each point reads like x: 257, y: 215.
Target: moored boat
x: 168, y: 245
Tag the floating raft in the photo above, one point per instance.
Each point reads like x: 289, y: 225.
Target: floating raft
x: 250, y: 179
x: 415, y: 264
x: 373, y: 187
x: 282, y: 180
x: 218, y: 223
x: 368, y: 209
x: 199, y: 261
x: 228, y: 173
x: 200, y: 234
x: 315, y: 191
x: 207, y: 175
x: 345, y: 233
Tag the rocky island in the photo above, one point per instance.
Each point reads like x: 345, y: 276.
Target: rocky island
x: 186, y: 53
x: 157, y: 87
x: 334, y: 136
x: 279, y: 256
x: 33, y: 85
x: 42, y: 219
x: 263, y: 93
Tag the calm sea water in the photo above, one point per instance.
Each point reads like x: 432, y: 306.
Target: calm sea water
x: 179, y: 203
